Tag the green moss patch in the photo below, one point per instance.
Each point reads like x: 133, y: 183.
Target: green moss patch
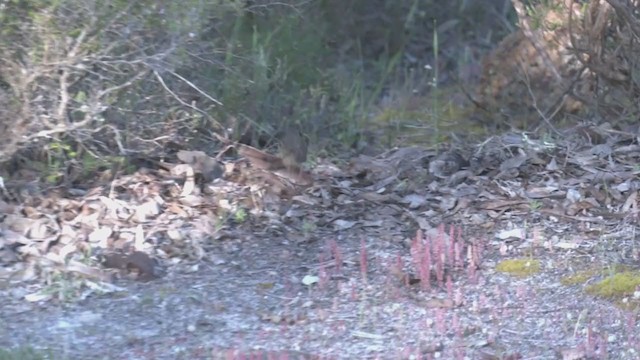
x: 519, y: 267
x: 580, y: 277
x: 616, y: 285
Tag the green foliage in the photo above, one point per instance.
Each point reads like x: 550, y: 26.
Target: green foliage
x: 240, y: 215
x: 63, y: 287
x: 25, y: 353
x: 268, y: 61
x: 60, y: 154
x: 57, y: 154
x: 308, y: 227
x: 535, y: 205
x: 66, y: 61
x: 323, y: 65
x: 281, y: 65
x: 537, y: 12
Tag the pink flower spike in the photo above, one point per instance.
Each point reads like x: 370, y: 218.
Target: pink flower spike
x: 441, y: 326
x: 631, y: 325
x: 451, y: 246
x: 472, y: 274
x: 457, y: 328
x: 337, y: 255
x: 363, y: 260
x: 458, y: 298
x: 425, y: 269
x: 440, y: 269
x: 457, y: 255
x: 590, y: 348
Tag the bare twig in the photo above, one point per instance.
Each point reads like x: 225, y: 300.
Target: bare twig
x: 624, y: 12
x: 535, y: 103
x: 194, y: 87
x: 534, y: 37
x: 184, y: 103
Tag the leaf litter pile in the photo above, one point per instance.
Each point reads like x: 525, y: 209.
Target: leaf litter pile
x: 494, y: 251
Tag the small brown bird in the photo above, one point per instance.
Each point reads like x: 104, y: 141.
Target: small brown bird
x: 288, y: 163
x: 145, y: 266
x: 293, y: 147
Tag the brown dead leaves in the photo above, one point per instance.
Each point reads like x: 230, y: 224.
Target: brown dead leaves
x: 172, y: 212
x: 128, y: 227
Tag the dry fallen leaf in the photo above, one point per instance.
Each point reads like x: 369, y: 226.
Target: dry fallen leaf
x: 414, y: 200
x: 344, y: 224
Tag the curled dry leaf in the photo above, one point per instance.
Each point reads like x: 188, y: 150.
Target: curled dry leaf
x: 147, y: 210
x: 310, y: 280
x: 375, y: 197
x: 414, y: 200
x: 448, y: 203
x: 631, y: 204
x: 518, y: 233
x: 100, y: 236
x: 344, y: 224
x: 190, y: 183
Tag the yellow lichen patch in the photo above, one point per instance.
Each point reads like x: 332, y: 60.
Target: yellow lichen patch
x: 616, y: 285
x: 580, y: 277
x: 519, y: 267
